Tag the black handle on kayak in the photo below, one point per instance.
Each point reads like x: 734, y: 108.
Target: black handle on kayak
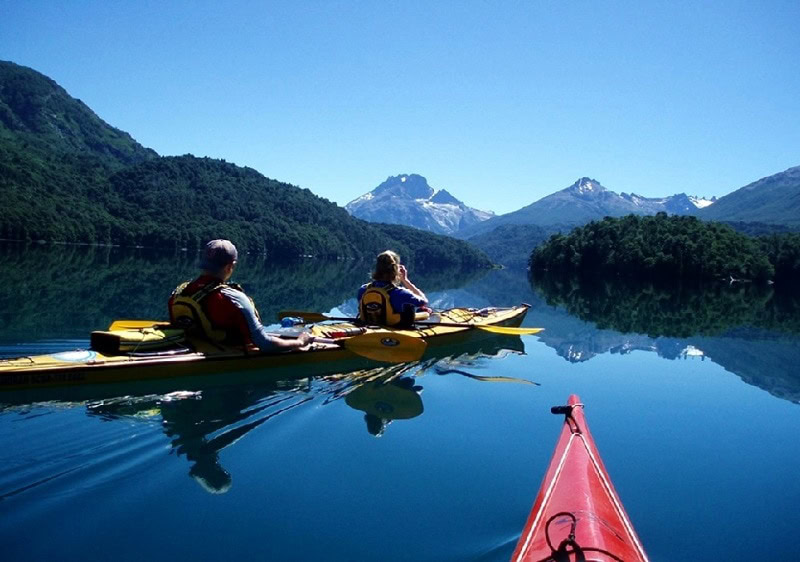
x: 561, y: 410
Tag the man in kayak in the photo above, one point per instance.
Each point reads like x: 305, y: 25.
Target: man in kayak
x: 212, y: 308
x: 391, y: 299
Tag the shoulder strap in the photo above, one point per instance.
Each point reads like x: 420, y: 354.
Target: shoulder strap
x: 188, y: 313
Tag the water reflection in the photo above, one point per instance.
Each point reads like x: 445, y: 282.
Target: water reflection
x: 673, y: 310
x: 200, y: 423
x: 749, y: 330
x: 57, y: 291
x: 386, y: 395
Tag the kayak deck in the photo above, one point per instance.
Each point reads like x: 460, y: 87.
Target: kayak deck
x: 91, y: 367
x: 577, y: 514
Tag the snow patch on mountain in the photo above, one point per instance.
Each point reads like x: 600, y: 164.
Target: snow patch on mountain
x: 702, y: 202
x: 408, y: 199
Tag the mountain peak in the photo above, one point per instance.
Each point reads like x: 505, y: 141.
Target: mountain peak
x: 586, y: 186
x: 407, y: 186
x: 445, y: 197
x: 408, y: 199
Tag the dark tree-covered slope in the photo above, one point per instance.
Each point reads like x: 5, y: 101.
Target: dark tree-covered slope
x: 510, y: 244
x: 65, y: 175
x: 55, y: 156
x: 155, y: 198
x: 655, y: 247
x: 428, y: 250
x: 774, y: 199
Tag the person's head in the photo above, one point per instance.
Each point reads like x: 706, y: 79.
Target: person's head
x: 219, y: 258
x: 375, y: 425
x: 387, y: 267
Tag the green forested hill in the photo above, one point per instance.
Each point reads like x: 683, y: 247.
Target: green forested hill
x: 153, y: 200
x: 510, y: 244
x: 43, y: 116
x: 55, y: 158
x: 429, y: 250
x: 774, y: 200
x: 669, y: 247
x: 65, y: 175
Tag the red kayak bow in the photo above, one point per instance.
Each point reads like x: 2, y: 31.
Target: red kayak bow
x: 577, y: 515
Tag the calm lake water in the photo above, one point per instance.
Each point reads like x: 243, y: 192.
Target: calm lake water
x: 693, y: 399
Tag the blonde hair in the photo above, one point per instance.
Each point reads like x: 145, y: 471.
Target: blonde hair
x: 387, y: 267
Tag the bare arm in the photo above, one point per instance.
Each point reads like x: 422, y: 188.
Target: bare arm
x: 409, y: 285
x: 258, y: 334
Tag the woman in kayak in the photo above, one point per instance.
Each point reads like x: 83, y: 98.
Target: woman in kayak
x: 212, y: 308
x: 391, y: 299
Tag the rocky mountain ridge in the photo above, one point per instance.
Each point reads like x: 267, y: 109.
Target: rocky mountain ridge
x: 586, y: 200
x: 407, y: 199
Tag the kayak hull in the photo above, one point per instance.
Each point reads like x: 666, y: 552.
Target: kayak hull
x: 82, y: 367
x: 578, y: 498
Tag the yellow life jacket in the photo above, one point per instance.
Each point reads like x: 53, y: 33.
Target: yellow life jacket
x: 187, y: 313
x: 375, y: 307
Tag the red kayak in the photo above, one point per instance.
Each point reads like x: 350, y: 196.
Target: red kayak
x: 577, y: 515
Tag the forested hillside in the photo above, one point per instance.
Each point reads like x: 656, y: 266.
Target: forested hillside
x: 774, y: 200
x: 55, y: 158
x: 510, y: 244
x: 67, y: 176
x: 664, y: 247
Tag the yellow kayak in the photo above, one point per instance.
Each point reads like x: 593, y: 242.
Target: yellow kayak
x: 91, y: 366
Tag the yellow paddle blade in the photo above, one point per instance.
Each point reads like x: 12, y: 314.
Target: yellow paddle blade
x: 134, y: 324
x: 387, y: 346
x: 509, y: 331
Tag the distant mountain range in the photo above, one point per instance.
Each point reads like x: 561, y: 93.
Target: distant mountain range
x: 584, y: 201
x: 408, y: 199
x: 769, y: 205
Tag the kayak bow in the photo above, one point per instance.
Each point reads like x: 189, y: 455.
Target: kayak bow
x: 577, y: 514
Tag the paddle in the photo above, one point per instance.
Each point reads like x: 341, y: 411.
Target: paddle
x: 509, y: 331
x: 382, y: 346
x: 491, y: 378
x: 136, y: 324
x: 379, y: 346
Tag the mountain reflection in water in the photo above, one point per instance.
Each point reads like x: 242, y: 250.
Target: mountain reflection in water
x: 751, y: 331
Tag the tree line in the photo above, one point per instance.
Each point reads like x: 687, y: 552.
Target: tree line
x: 668, y: 247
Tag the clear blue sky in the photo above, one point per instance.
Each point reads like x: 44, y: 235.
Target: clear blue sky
x: 501, y: 103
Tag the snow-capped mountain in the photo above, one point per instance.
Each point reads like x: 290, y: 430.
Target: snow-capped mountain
x: 408, y: 199
x: 680, y: 204
x: 587, y: 200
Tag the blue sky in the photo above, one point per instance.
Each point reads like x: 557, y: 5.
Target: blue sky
x: 501, y: 103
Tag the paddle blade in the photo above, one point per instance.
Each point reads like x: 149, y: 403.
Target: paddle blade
x: 387, y: 346
x: 498, y: 378
x: 135, y: 324
x: 484, y: 378
x: 509, y: 331
x: 306, y: 316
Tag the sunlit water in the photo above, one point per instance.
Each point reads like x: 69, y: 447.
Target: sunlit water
x: 410, y: 462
